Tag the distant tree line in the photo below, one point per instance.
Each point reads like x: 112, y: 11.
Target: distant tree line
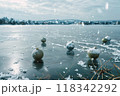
x: 12, y: 21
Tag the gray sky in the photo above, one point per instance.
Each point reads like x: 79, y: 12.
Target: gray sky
x: 60, y: 9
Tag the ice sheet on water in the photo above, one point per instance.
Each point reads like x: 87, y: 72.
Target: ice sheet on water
x: 80, y: 50
x: 16, y: 62
x: 4, y: 76
x: 33, y: 47
x: 60, y: 45
x: 10, y: 69
x: 99, y: 10
x: 98, y: 32
x: 18, y: 78
x: 45, y: 68
x: 81, y: 63
x: 68, y: 78
x: 7, y: 76
x: 23, y: 70
x: 116, y: 59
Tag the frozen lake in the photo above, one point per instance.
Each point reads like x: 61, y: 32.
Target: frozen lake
x: 18, y: 42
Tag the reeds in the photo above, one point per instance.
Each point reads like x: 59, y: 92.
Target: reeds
x: 103, y: 73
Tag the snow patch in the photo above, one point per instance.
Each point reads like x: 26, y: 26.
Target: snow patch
x: 68, y: 78
x: 81, y: 63
x: 94, y: 51
x: 108, y: 38
x: 7, y: 76
x: 79, y: 75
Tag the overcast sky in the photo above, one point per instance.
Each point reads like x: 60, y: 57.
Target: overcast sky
x: 60, y: 9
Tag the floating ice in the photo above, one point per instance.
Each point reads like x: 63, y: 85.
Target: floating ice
x: 80, y: 50
x: 10, y: 69
x: 55, y: 10
x: 18, y: 78
x: 23, y: 70
x: 63, y: 71
x: 16, y: 62
x: 78, y: 55
x: 76, y: 69
x: 68, y: 78
x: 61, y: 63
x: 79, y: 75
x: 33, y: 47
x: 98, y: 32
x: 4, y: 76
x: 46, y: 69
x: 91, y: 68
x: 99, y: 10
x: 81, y: 63
x: 66, y: 68
x: 116, y: 59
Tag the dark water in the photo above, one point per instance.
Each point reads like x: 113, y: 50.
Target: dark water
x: 18, y: 42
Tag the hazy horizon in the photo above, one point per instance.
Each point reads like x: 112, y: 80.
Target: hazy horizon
x: 62, y: 9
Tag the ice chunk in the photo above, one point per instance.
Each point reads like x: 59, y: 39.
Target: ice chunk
x: 63, y: 71
x: 81, y: 63
x: 98, y: 32
x: 16, y: 62
x: 78, y: 55
x: 7, y: 76
x: 91, y: 68
x: 79, y: 75
x: 66, y: 68
x: 23, y: 70
x: 76, y: 69
x: 61, y: 63
x: 10, y: 69
x: 46, y: 69
x: 68, y: 78
x: 4, y: 76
